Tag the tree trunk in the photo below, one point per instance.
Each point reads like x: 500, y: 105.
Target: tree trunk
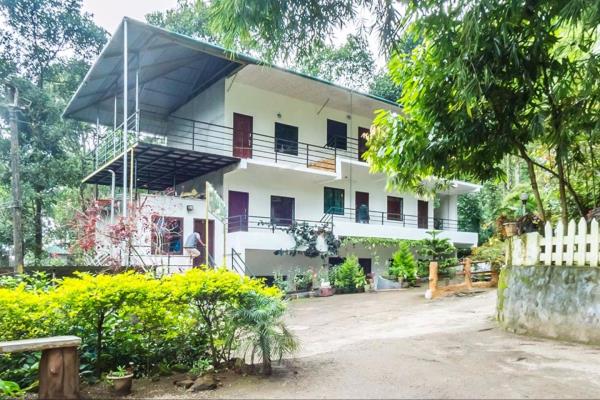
x: 561, y: 189
x: 38, y: 247
x: 535, y: 189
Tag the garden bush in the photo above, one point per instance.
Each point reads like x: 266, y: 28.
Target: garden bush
x: 348, y: 276
x: 154, y: 323
x: 403, y: 264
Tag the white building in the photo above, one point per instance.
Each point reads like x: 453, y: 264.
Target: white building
x: 279, y: 147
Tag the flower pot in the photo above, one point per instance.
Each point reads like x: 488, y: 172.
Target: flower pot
x: 121, y: 384
x: 326, y: 291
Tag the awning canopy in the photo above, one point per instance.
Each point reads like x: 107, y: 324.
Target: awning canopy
x: 171, y: 69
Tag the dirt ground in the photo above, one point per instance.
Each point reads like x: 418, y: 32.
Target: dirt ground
x: 398, y: 345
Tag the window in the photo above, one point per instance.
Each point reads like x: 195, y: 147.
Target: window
x: 333, y: 201
x: 336, y: 134
x: 395, y: 208
x: 286, y: 139
x: 167, y: 235
x: 282, y: 210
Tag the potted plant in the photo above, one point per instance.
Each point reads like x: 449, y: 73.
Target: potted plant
x: 121, y: 379
x: 403, y: 266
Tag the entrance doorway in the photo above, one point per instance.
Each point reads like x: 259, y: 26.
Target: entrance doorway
x: 238, y: 211
x: 242, y: 135
x: 362, y: 142
x: 200, y: 227
x: 362, y: 207
x: 423, y: 214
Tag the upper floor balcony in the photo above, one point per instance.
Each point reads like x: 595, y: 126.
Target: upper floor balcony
x: 167, y: 151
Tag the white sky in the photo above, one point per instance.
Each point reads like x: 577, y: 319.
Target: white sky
x: 109, y: 13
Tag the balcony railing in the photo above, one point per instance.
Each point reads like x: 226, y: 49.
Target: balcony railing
x: 211, y: 138
x: 373, y: 217
x: 245, y: 223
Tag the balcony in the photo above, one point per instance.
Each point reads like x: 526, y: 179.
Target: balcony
x: 167, y: 151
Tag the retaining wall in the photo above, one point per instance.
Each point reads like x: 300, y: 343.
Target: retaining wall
x: 560, y: 302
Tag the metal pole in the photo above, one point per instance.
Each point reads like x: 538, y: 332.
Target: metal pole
x: 225, y: 243
x: 206, y: 225
x: 137, y: 102
x: 114, y: 134
x: 97, y: 140
x: 112, y: 196
x: 125, y: 56
x: 16, y: 182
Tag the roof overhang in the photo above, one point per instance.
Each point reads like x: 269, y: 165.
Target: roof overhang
x: 172, y: 69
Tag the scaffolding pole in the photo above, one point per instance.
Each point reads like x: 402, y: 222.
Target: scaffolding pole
x: 125, y: 66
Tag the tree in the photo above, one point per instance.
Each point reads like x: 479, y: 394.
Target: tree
x: 188, y: 18
x: 350, y: 65
x: 39, y: 38
x: 472, y: 96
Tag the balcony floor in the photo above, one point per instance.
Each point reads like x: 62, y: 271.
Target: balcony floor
x: 158, y: 167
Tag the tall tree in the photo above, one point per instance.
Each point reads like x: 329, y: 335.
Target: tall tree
x: 43, y: 36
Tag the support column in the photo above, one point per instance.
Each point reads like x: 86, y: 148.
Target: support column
x: 125, y: 66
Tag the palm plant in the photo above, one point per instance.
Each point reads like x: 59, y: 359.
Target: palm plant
x: 264, y: 333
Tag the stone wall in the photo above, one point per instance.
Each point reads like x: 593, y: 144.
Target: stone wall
x: 559, y: 302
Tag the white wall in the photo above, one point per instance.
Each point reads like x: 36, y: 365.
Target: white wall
x: 264, y: 106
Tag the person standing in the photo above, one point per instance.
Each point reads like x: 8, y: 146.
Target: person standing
x: 191, y: 246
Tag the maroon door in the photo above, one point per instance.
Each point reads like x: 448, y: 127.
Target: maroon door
x: 238, y: 211
x: 362, y: 142
x: 423, y: 215
x: 200, y: 227
x: 242, y: 135
x: 362, y: 207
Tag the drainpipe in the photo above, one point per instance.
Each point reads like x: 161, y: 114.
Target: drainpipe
x: 112, y: 197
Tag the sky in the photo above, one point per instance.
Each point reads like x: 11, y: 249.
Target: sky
x: 109, y: 13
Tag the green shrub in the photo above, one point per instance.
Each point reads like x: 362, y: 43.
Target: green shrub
x: 303, y: 280
x: 348, y: 276
x: 403, y: 264
x: 129, y: 317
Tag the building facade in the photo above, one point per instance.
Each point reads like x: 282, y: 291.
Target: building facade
x: 282, y: 149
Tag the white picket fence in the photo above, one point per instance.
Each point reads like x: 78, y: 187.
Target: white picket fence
x: 579, y: 247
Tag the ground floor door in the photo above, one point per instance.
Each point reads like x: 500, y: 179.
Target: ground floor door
x: 200, y: 227
x: 362, y: 207
x: 242, y: 135
x: 238, y: 211
x: 365, y: 263
x: 423, y: 215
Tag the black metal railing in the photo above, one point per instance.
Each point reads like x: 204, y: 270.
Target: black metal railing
x: 189, y: 134
x: 245, y: 223
x: 364, y: 215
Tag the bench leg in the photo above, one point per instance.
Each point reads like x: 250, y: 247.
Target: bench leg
x: 59, y: 374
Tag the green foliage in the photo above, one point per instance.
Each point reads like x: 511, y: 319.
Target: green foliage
x: 188, y: 18
x: 436, y: 249
x: 132, y: 318
x: 305, y: 237
x: 119, y: 372
x: 468, y: 103
x: 348, y: 276
x: 201, y: 366
x: 265, y: 335
x: 492, y: 251
x: 403, y: 264
x: 10, y: 390
x: 303, y: 280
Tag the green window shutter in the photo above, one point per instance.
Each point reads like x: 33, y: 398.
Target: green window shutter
x: 333, y: 201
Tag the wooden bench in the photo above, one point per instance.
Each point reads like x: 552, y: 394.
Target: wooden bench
x: 59, y: 366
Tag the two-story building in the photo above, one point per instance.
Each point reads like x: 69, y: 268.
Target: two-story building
x: 279, y: 147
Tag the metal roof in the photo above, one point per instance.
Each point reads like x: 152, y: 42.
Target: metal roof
x: 172, y: 69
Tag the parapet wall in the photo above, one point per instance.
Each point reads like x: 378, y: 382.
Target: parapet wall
x: 560, y: 302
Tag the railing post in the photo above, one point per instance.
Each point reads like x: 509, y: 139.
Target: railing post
x: 382, y: 217
x: 193, y: 134
x: 306, y: 155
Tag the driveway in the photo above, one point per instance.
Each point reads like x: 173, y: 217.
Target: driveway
x: 398, y: 345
